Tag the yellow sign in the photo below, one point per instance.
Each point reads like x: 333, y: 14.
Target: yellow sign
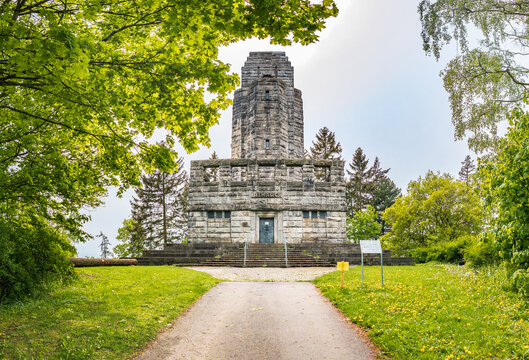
x: 342, y: 265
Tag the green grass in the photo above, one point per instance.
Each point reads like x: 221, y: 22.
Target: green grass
x: 433, y: 312
x: 109, y: 313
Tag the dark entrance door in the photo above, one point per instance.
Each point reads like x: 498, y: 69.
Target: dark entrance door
x: 266, y: 231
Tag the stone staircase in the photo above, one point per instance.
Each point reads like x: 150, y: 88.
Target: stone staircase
x: 272, y: 255
x: 263, y: 255
x: 257, y: 255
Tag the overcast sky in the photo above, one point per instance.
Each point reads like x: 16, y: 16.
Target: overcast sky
x: 368, y: 80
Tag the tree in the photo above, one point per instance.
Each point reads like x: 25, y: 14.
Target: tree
x: 505, y: 184
x: 82, y: 83
x: 363, y: 182
x: 483, y: 83
x: 325, y: 146
x: 132, y: 238
x: 104, y: 245
x: 359, y: 185
x: 363, y: 225
x: 467, y: 169
x: 384, y: 195
x: 436, y: 209
x: 159, y: 207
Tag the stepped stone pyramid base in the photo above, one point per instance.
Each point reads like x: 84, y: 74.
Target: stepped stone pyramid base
x: 264, y: 255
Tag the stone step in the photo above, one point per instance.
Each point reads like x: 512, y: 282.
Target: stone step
x: 227, y: 254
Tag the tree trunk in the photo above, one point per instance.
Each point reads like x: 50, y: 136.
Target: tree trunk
x: 163, y: 211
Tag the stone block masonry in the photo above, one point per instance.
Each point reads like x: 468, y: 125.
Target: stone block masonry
x: 228, y: 207
x: 267, y: 192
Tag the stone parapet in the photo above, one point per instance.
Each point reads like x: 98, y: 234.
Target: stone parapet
x: 266, y: 184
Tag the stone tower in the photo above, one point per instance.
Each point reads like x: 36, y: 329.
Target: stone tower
x: 267, y: 192
x: 267, y: 110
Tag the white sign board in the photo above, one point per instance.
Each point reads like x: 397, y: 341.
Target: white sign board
x: 370, y: 247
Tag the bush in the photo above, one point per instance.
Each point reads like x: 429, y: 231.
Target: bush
x: 481, y: 254
x: 33, y: 255
x: 521, y: 281
x: 447, y: 252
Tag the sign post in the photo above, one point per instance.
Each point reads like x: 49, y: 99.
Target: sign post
x: 342, y: 265
x: 371, y: 247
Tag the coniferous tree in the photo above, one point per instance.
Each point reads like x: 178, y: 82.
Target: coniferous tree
x: 384, y: 195
x: 104, y: 245
x: 159, y: 212
x: 467, y: 169
x: 325, y: 146
x: 359, y: 185
x: 377, y: 173
x: 368, y: 185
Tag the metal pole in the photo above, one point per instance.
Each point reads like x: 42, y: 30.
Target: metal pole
x: 362, y: 256
x: 381, y: 269
x: 286, y: 254
x: 245, y: 247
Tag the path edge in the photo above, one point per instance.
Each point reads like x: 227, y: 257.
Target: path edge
x: 360, y: 331
x: 149, y: 343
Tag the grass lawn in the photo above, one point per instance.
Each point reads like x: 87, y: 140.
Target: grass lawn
x: 109, y: 313
x: 433, y: 312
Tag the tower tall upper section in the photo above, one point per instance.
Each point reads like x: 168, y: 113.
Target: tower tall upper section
x: 267, y: 110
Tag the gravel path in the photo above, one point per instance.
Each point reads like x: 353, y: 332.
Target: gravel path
x: 264, y: 274
x: 260, y: 320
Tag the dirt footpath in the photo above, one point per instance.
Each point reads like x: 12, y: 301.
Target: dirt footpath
x: 260, y: 320
x: 265, y: 274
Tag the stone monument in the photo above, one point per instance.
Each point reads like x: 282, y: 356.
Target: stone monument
x: 267, y: 192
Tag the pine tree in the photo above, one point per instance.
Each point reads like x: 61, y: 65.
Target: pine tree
x: 325, y: 146
x: 159, y: 209
x: 467, y: 169
x: 104, y: 245
x: 377, y: 173
x: 368, y: 185
x: 384, y: 195
x: 359, y: 185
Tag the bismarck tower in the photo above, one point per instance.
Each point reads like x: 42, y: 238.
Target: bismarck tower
x: 267, y: 192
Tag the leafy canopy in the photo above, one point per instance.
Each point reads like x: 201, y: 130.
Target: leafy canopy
x: 363, y: 225
x: 505, y: 184
x: 486, y: 81
x: 85, y: 84
x: 436, y: 209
